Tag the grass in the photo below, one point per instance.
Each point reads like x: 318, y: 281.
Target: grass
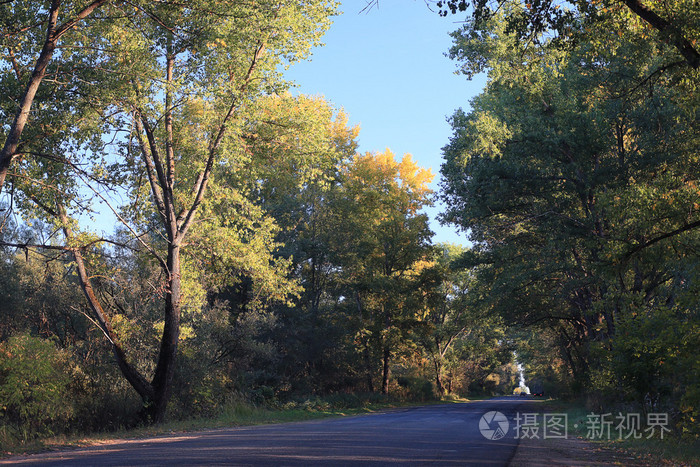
x: 669, y: 451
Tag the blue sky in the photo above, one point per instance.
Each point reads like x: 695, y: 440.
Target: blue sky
x: 387, y: 69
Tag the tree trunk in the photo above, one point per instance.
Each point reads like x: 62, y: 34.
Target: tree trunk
x: 137, y: 381
x: 165, y: 369
x: 386, y: 372
x: 368, y: 368
x: 438, y: 377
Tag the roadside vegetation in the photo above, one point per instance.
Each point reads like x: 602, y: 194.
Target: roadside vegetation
x: 672, y: 450
x: 182, y: 239
x: 576, y: 173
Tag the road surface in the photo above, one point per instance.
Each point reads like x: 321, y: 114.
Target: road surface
x: 443, y: 435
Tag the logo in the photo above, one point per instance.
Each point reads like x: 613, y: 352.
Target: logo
x: 493, y: 425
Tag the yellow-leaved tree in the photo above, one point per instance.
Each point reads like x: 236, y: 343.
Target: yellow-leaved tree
x: 388, y: 241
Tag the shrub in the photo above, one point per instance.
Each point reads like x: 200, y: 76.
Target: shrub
x: 653, y: 366
x: 416, y: 389
x: 34, y: 385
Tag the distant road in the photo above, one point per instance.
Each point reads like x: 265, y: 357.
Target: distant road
x: 443, y: 435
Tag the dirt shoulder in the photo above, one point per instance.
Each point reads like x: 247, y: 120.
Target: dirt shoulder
x: 571, y: 451
x: 576, y: 450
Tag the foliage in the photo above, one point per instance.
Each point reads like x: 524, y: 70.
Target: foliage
x: 673, y: 25
x: 456, y: 325
x: 258, y: 260
x: 575, y: 174
x: 158, y: 129
x: 542, y: 356
x: 387, y: 242
x: 34, y: 385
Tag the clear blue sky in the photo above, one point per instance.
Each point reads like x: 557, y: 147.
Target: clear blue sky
x: 387, y: 69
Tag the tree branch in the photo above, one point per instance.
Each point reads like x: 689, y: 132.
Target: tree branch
x: 203, y: 178
x: 84, y: 13
x: 692, y: 57
x: 651, y: 242
x: 150, y: 249
x: 150, y: 170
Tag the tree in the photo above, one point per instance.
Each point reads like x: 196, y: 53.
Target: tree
x: 564, y: 171
x: 191, y: 73
x: 297, y: 146
x: 388, y: 244
x: 448, y: 315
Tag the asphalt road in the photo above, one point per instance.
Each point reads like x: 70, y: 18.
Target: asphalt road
x: 437, y: 435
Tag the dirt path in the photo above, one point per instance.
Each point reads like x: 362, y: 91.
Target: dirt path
x: 573, y: 452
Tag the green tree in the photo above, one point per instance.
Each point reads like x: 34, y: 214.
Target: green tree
x: 564, y: 172
x: 297, y: 146
x: 448, y: 316
x: 301, y: 144
x: 191, y: 75
x: 387, y: 245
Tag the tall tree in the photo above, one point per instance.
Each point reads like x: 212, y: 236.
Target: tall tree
x: 448, y: 316
x: 563, y: 172
x: 191, y: 73
x: 297, y: 146
x: 388, y: 242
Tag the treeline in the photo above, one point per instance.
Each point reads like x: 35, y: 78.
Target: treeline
x: 361, y: 303
x: 576, y: 173
x: 256, y: 256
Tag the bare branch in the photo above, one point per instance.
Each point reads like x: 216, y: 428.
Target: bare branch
x: 126, y: 224
x: 90, y: 318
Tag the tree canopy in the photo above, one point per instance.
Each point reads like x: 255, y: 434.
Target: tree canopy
x: 258, y: 258
x: 575, y: 173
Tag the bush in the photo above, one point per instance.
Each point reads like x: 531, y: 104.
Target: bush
x: 34, y: 386
x: 653, y: 367
x: 416, y: 389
